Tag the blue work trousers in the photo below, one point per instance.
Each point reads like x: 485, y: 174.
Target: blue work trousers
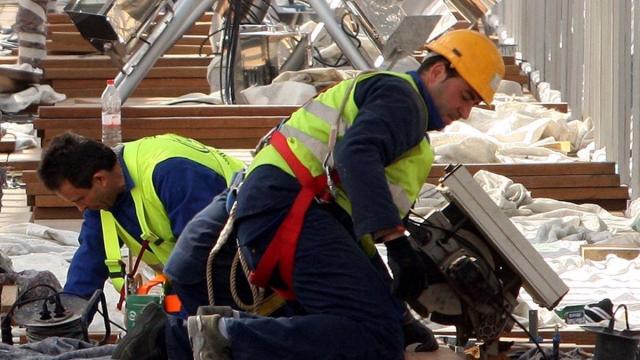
x: 349, y: 310
x: 186, y: 267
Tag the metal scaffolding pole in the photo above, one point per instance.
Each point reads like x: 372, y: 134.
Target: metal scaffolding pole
x: 327, y: 16
x: 161, y: 39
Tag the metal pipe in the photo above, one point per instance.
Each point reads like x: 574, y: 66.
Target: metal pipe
x: 163, y: 36
x: 325, y: 13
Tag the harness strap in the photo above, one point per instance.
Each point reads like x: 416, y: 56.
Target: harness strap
x: 282, y: 249
x: 130, y: 275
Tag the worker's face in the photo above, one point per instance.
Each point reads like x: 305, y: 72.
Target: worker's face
x: 453, y: 97
x: 100, y: 196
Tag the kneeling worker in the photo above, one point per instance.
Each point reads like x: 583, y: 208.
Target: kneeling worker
x: 342, y: 172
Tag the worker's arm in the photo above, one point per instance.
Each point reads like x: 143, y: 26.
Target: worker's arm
x: 388, y: 125
x: 390, y: 122
x: 87, y: 271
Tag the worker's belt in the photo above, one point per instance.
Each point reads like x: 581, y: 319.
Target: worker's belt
x: 282, y: 249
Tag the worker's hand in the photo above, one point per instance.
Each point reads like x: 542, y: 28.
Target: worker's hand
x: 409, y: 272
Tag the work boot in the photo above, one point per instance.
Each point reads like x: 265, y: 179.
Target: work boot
x: 206, y: 340
x: 416, y: 332
x: 141, y: 342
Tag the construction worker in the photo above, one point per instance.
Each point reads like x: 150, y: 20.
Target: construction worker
x: 338, y: 176
x: 141, y: 194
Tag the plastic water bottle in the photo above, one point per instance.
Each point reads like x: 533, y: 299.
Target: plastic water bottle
x: 111, y: 122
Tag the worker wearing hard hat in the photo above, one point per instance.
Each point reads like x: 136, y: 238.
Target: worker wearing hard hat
x: 338, y: 176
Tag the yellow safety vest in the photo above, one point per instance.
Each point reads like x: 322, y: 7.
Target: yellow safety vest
x: 313, y: 130
x: 141, y: 157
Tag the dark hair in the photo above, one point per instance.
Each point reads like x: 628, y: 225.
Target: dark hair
x: 433, y: 59
x: 74, y: 158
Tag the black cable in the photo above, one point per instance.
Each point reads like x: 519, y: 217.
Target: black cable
x: 248, y: 10
x: 319, y: 58
x: 207, y: 39
x: 349, y: 33
x: 238, y: 10
x: 112, y: 322
x: 535, y: 341
x: 275, y: 12
x: 231, y: 63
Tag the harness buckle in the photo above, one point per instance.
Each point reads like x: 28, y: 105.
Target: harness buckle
x: 330, y: 193
x: 112, y: 262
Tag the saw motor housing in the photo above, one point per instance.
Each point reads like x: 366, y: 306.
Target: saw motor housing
x: 477, y: 261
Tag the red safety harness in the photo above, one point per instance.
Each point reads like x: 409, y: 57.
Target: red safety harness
x: 282, y: 249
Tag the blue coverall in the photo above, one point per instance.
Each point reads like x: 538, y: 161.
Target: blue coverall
x: 349, y: 310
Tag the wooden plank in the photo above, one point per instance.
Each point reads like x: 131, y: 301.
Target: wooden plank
x: 30, y: 176
x: 576, y: 168
x: 87, y: 62
x: 74, y: 38
x: 444, y: 353
x: 56, y: 213
x: 561, y: 107
x: 7, y: 146
x: 199, y: 28
x: 75, y: 47
x: 162, y: 111
x: 51, y: 201
x: 582, y: 194
x: 573, y: 334
x: 140, y: 92
x: 609, y: 204
x: 206, y: 133
x: 519, y: 78
x: 8, y: 297
x: 165, y: 122
x: 247, y: 143
x: 565, y: 181
x: 600, y: 252
x: 80, y: 84
x: 79, y: 46
x: 24, y: 160
x: 512, y: 70
x: 105, y: 73
x: 37, y: 188
x: 63, y: 18
x: 509, y: 60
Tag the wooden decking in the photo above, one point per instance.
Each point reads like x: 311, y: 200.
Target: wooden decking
x: 64, y: 37
x: 241, y: 127
x: 224, y: 127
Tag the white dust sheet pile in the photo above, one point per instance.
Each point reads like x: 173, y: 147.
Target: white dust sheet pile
x: 516, y: 132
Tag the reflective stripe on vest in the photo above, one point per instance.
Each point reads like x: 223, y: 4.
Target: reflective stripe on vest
x: 141, y: 157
